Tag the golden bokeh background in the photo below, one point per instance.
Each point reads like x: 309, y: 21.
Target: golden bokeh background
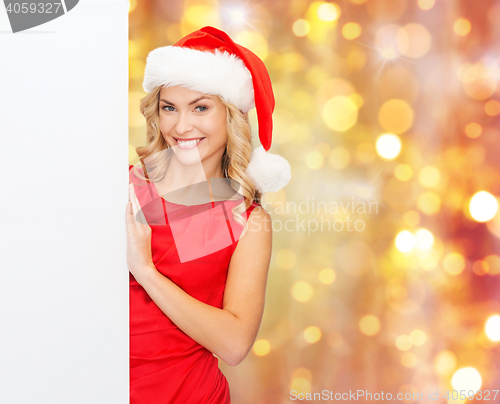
x: 385, y: 275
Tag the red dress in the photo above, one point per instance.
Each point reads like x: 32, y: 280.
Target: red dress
x: 166, y: 365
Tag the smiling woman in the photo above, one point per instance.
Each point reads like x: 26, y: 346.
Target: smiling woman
x: 200, y: 123
x: 197, y: 274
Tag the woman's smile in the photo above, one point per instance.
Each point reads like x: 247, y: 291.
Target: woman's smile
x: 188, y: 143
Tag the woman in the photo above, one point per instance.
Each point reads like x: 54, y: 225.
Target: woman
x: 199, y: 256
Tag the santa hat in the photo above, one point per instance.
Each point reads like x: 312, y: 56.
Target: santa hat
x: 209, y: 61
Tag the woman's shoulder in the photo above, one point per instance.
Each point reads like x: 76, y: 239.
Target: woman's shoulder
x: 258, y: 212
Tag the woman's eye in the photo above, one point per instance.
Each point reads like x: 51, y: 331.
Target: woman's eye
x: 202, y: 106
x: 167, y: 106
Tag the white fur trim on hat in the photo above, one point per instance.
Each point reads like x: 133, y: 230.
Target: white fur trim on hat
x: 269, y: 172
x: 219, y: 73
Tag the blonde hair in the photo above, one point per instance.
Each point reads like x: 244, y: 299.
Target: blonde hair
x: 234, y: 160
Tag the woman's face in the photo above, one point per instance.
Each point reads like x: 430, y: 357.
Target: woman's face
x: 190, y: 119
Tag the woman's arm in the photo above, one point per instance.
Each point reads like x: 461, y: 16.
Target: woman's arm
x: 231, y: 331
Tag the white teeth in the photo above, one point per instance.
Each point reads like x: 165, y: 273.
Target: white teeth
x: 188, y: 142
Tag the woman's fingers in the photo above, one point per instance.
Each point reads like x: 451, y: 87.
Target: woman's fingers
x: 136, y: 206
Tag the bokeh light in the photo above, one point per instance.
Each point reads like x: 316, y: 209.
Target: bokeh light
x: 454, y: 263
x: 445, y: 363
x: 492, y: 328
x: 369, y: 325
x: 302, y: 291
x: 462, y: 26
x: 312, y: 334
x: 388, y: 146
x: 340, y: 113
x: 405, y: 241
x: 395, y: 116
x: 426, y: 4
x: 261, y: 347
x: 327, y: 276
x: 466, y: 379
x: 483, y: 206
x: 424, y: 239
x: 351, y: 30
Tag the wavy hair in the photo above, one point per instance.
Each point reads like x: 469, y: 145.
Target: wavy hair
x: 234, y: 160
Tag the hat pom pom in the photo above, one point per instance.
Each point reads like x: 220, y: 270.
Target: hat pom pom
x: 269, y: 172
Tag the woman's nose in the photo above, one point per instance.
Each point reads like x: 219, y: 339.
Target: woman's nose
x: 184, y: 124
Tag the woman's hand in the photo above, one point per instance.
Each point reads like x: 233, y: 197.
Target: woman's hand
x: 139, y: 257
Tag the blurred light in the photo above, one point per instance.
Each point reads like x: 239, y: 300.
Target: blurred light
x: 429, y: 203
x: 323, y: 148
x: 412, y: 218
x: 492, y: 108
x: 445, y: 363
x: 286, y: 259
x: 408, y: 359
x: 135, y: 118
x: 492, y: 328
x: 386, y: 41
x: 302, y: 291
x: 133, y: 49
x: 327, y: 276
x: 382, y: 10
x: 200, y: 15
x: 312, y: 334
x: 454, y: 263
x: 132, y: 154
x: 254, y: 41
x: 395, y: 116
x: 388, y: 146
x: 430, y: 262
x: 494, y: 14
x: 357, y: 99
x: 466, y: 379
x: 351, y: 30
x: 339, y: 158
x: 403, y: 342
x: 405, y: 241
x: 261, y: 347
x: 301, y: 27
x: 426, y: 4
x: 424, y: 239
x: 429, y: 176
x: 479, y: 82
x: 356, y: 59
x: 365, y: 152
x: 473, y: 130
x: 358, y: 1
x: 480, y: 267
x: 397, y: 82
x: 483, y: 206
x: 397, y: 293
x: 136, y: 69
x: 414, y: 40
x: 238, y: 16
x: 403, y: 172
x: 301, y: 381
x: 493, y: 264
x: 304, y: 373
x: 314, y: 160
x: 328, y: 12
x: 462, y: 26
x: 334, y: 87
x: 132, y: 4
x: 340, y: 113
x: 418, y: 337
x: 369, y: 325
